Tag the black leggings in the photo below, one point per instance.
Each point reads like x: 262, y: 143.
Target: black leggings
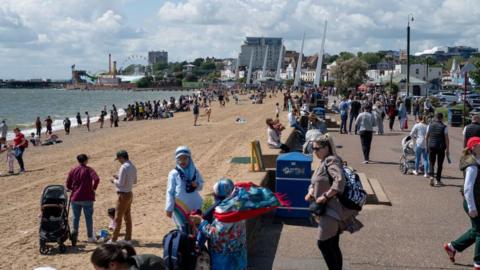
x: 436, y: 155
x: 331, y: 252
x: 391, y: 120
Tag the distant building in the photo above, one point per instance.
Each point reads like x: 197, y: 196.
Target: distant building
x: 443, y: 53
x: 155, y: 57
x: 291, y: 57
x: 258, y: 46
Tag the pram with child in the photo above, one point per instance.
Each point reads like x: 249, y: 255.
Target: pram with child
x: 54, y: 227
x: 407, y: 160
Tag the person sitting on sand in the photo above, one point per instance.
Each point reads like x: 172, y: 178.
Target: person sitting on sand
x: 274, y: 134
x: 183, y: 188
x: 52, y: 139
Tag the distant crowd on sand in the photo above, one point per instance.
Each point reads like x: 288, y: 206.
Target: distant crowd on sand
x: 147, y: 110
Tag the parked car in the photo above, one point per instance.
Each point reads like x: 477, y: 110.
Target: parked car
x: 447, y: 97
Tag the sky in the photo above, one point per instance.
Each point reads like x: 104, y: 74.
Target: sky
x: 43, y: 38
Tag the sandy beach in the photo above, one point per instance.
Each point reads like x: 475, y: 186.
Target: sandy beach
x: 151, y: 145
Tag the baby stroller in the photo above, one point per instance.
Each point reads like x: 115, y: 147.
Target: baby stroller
x: 407, y: 161
x: 54, y: 226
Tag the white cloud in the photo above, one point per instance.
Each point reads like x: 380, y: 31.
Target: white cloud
x: 56, y: 34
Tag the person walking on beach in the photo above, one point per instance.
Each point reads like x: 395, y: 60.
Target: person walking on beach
x: 66, y: 125
x: 3, y: 133
x: 327, y: 181
x: 83, y: 181
x: 364, y: 125
x: 196, y: 113
x: 38, y: 126
x: 88, y: 122
x: 438, y: 145
x: 103, y: 113
x: 19, y: 145
x: 208, y: 112
x: 419, y: 132
x: 124, y: 181
x: 183, y: 188
x: 471, y: 130
x: 48, y: 124
x: 469, y: 164
x: 79, y: 120
x: 111, y: 118
x: 115, y: 118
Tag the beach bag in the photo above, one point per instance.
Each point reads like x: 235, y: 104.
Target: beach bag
x: 353, y: 196
x: 179, y: 251
x: 248, y: 201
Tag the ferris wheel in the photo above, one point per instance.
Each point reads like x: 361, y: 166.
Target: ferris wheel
x: 139, y: 61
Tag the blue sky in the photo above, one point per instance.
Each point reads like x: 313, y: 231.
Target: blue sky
x: 42, y: 39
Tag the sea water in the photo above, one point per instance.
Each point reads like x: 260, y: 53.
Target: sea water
x: 21, y: 107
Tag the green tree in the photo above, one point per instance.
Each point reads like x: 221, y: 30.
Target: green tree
x: 208, y: 65
x: 160, y: 66
x: 198, y: 61
x: 370, y: 58
x: 144, y: 82
x: 349, y: 74
x: 191, y: 78
x: 346, y: 56
x: 213, y: 76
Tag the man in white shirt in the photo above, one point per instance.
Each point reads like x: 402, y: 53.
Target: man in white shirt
x: 126, y: 178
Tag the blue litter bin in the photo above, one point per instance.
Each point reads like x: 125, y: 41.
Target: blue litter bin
x: 293, y: 174
x: 320, y: 112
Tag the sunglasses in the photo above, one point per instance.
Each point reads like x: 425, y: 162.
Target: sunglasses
x: 318, y: 148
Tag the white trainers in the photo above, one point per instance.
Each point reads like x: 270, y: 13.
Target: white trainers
x: 425, y: 175
x: 92, y: 240
x: 415, y: 172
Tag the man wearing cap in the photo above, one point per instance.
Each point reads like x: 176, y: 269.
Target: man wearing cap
x: 127, y: 176
x: 82, y: 181
x: 3, y: 133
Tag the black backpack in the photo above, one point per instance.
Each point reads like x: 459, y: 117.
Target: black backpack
x: 179, y: 251
x: 353, y: 196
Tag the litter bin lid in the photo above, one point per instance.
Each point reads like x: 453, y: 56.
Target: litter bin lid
x: 294, y: 156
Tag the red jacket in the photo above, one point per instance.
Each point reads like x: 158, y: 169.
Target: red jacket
x: 82, y: 181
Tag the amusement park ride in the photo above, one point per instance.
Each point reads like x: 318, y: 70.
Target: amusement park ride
x: 134, y: 64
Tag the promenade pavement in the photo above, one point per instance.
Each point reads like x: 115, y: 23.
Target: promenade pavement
x: 407, y: 235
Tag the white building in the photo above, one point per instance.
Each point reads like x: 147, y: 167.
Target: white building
x: 308, y: 75
x: 419, y: 71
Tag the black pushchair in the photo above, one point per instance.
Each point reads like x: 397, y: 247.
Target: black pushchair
x: 54, y: 227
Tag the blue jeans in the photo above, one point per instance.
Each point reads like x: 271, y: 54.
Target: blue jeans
x: 87, y: 211
x: 343, y: 125
x: 419, y: 153
x: 19, y: 156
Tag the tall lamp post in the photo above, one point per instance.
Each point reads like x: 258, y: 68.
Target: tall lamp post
x: 465, y: 98
x: 410, y: 17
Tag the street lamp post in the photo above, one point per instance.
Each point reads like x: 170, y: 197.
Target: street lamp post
x: 428, y: 81
x: 410, y: 17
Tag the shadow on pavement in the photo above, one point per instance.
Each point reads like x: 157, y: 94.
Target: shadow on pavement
x: 384, y: 162
x: 262, y: 255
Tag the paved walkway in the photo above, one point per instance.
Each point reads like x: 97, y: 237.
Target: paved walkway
x: 407, y: 235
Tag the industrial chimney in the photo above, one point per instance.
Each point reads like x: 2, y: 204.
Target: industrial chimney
x: 114, y: 69
x: 110, y: 64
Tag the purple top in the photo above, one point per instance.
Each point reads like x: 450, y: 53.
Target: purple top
x: 82, y: 181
